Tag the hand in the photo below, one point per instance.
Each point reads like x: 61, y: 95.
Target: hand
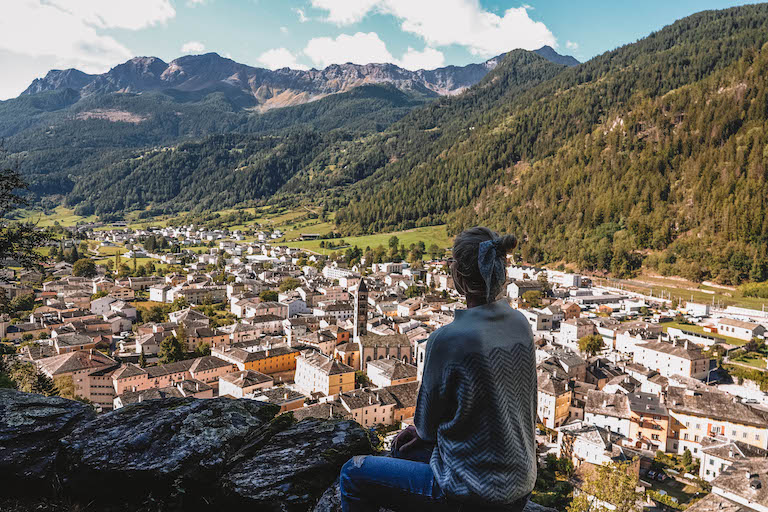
x: 406, y: 440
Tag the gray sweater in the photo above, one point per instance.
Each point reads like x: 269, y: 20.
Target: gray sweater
x: 478, y: 402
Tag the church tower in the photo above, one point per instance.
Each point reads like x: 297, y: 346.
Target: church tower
x: 361, y: 310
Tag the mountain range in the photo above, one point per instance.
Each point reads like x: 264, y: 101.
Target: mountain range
x: 650, y: 154
x: 263, y: 88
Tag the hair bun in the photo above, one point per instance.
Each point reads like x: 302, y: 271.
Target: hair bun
x: 507, y: 243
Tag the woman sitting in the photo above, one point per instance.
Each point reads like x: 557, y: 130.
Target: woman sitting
x: 473, y: 445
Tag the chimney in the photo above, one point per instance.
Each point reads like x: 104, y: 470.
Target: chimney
x: 686, y: 344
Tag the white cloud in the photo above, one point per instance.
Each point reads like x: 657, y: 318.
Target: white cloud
x: 67, y: 33
x: 277, y: 58
x: 571, y: 45
x: 302, y: 17
x: 462, y: 22
x: 132, y: 15
x: 284, y: 30
x: 360, y: 48
x: 427, y: 59
x: 345, y: 12
x: 193, y: 3
x: 366, y: 48
x: 192, y: 47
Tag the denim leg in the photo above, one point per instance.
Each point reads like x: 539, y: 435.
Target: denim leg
x: 369, y: 482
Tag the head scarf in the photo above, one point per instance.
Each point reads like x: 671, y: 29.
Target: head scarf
x: 491, y: 266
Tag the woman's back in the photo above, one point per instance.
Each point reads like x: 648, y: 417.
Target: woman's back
x: 478, y: 403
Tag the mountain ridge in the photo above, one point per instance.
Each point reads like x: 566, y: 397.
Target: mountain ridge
x: 268, y: 89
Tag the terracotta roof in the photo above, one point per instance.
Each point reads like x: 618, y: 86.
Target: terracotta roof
x: 405, y: 395
x: 607, y: 404
x: 747, y: 479
x: 360, y: 398
x: 691, y: 352
x: 394, y: 369
x: 390, y: 340
x: 75, y: 361
x: 738, y: 323
x: 327, y: 365
x: 322, y: 411
x: 246, y: 379
x: 278, y: 395
x: 715, y: 405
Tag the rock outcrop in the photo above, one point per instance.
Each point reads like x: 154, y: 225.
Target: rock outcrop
x: 31, y: 427
x: 171, y: 454
x: 158, y: 444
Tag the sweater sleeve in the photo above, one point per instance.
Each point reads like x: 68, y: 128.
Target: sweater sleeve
x: 430, y: 404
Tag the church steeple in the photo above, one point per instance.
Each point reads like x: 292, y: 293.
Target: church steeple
x: 361, y: 310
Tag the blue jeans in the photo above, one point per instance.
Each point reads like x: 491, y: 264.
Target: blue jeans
x: 369, y: 482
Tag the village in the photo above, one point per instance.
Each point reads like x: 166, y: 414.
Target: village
x: 669, y: 388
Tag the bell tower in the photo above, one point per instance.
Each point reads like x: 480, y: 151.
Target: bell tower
x: 361, y: 310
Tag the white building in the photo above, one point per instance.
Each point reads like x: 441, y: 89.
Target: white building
x: 674, y: 358
x: 239, y: 384
x: 540, y: 320
x: 739, y: 329
x: 609, y: 411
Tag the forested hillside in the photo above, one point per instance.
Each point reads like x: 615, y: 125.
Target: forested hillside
x: 60, y: 139
x: 659, y: 145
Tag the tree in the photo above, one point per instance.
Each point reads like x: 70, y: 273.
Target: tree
x: 142, y: 360
x: 179, y: 303
x: 171, y: 350
x: 687, y: 458
x: 613, y: 483
x: 591, y: 344
x: 84, y: 267
x: 18, y: 240
x: 203, y: 349
x: 289, y: 284
x: 533, y: 298
x: 22, y: 303
x: 412, y: 291
x: 25, y: 377
x: 268, y: 296
x: 394, y: 242
x: 99, y: 294
x: 181, y: 334
x: 65, y: 386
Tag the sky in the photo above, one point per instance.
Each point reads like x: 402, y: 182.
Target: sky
x: 96, y: 35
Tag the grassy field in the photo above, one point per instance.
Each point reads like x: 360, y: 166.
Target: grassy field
x: 147, y: 304
x: 139, y: 261
x: 699, y: 329
x: 676, y: 288
x: 63, y: 215
x: 429, y: 235
x: 751, y: 359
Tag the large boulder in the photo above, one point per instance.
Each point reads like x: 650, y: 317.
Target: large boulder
x: 295, y: 466
x: 30, y: 429
x: 176, y: 446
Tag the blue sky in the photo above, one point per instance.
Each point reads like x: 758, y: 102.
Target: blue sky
x: 94, y: 35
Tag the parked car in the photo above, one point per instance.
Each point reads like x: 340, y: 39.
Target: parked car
x: 651, y: 474
x: 661, y: 476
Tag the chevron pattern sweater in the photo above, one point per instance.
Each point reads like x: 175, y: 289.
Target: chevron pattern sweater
x: 478, y: 402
